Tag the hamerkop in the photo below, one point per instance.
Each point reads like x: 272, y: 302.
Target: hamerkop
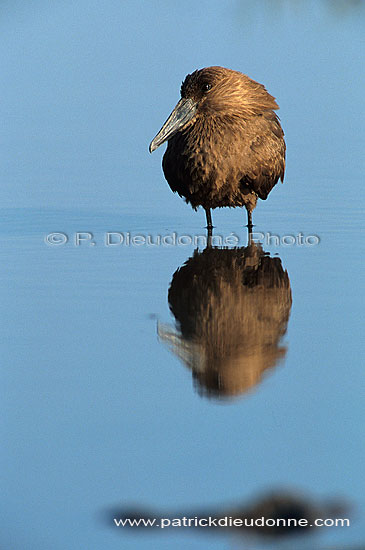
x: 225, y: 143
x: 231, y: 308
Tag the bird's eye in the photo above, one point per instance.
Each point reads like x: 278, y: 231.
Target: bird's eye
x: 206, y: 87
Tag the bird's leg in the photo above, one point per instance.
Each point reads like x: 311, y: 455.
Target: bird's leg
x: 249, y: 221
x: 249, y: 238
x: 209, y: 227
x: 209, y: 220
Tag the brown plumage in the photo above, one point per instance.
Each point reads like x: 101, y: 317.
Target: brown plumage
x: 232, y: 308
x: 225, y: 143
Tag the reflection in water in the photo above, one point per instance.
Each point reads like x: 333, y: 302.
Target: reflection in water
x: 280, y: 505
x: 231, y: 308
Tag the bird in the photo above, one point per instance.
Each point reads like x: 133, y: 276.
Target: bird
x: 231, y: 308
x: 226, y: 145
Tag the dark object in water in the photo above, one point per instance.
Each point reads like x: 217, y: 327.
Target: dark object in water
x: 274, y: 515
x: 225, y: 143
x: 231, y: 308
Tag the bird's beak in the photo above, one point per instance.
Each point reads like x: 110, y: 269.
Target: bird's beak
x: 180, y: 116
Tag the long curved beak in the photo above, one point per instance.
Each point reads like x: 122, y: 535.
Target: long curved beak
x: 180, y: 116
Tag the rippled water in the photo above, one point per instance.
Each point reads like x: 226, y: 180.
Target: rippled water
x: 129, y: 379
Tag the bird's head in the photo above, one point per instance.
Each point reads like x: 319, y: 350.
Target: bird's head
x: 214, y: 92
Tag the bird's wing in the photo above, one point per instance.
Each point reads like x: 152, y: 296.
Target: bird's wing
x: 266, y: 154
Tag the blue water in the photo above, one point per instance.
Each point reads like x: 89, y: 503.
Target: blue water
x: 97, y: 411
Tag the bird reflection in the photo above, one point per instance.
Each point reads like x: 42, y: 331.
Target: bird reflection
x: 231, y: 308
x: 259, y: 517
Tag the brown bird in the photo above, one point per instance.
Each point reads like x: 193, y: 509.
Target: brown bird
x: 225, y: 143
x: 231, y: 308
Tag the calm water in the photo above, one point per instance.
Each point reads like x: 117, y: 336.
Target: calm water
x: 106, y: 401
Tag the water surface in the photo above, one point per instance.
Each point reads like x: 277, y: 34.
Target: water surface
x: 97, y: 410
